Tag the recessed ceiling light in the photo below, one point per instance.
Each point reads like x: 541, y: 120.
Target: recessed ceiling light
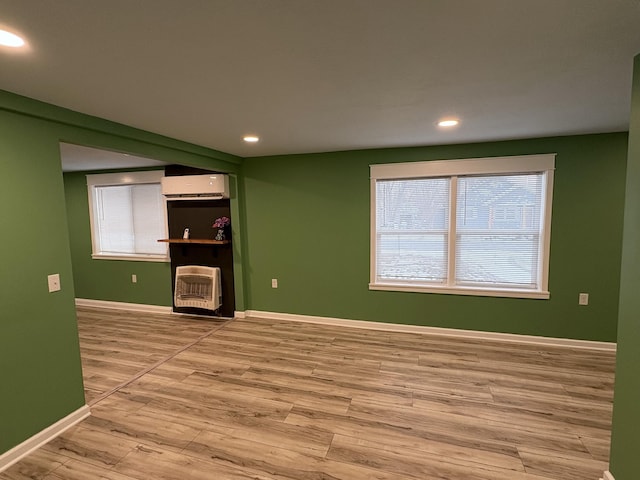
x: 251, y: 138
x: 9, y: 39
x: 448, y: 123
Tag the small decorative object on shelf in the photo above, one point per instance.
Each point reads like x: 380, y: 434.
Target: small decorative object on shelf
x: 221, y: 224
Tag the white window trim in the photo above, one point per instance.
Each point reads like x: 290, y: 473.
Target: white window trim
x: 473, y: 166
x: 123, y: 178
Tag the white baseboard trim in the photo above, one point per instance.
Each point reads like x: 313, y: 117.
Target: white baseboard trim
x: 448, y: 332
x: 238, y: 314
x: 30, y: 445
x: 132, y: 307
x: 607, y: 476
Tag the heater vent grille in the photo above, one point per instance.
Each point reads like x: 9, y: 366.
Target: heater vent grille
x: 198, y: 286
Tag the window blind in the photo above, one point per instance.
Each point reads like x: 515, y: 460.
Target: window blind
x: 130, y: 219
x: 412, y: 219
x: 499, y: 230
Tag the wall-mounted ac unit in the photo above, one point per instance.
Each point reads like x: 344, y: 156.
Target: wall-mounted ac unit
x: 196, y: 187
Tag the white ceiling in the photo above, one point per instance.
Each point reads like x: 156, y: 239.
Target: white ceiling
x: 324, y: 75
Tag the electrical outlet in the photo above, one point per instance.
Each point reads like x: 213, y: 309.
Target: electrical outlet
x: 274, y: 283
x: 583, y: 299
x: 134, y: 278
x: 54, y: 282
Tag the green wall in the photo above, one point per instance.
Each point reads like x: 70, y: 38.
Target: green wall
x: 308, y: 226
x: 625, y: 462
x: 39, y: 354
x: 108, y: 279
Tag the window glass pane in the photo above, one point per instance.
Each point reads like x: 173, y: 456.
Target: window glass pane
x: 498, y: 230
x: 129, y: 219
x: 148, y: 219
x: 115, y: 220
x: 412, y: 218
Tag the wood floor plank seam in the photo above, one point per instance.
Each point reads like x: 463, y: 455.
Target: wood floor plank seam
x: 157, y: 364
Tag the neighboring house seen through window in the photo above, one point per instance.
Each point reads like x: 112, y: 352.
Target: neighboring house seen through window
x: 128, y: 216
x: 475, y: 227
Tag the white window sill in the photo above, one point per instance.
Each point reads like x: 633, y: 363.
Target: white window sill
x: 131, y: 257
x: 481, y: 292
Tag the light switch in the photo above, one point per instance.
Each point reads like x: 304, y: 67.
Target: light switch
x: 54, y: 282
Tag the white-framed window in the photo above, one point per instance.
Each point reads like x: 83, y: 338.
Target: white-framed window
x: 128, y: 215
x: 472, y: 227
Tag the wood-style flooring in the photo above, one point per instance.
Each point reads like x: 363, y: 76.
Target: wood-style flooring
x: 182, y: 398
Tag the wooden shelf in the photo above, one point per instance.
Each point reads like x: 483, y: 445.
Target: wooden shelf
x: 201, y: 241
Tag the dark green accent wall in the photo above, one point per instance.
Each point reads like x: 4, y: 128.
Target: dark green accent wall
x: 108, y: 279
x: 308, y: 225
x: 625, y: 461
x: 39, y: 353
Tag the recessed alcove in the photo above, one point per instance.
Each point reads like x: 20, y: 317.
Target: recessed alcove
x: 200, y: 248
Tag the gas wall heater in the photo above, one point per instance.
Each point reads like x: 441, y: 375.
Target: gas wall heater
x: 198, y: 286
